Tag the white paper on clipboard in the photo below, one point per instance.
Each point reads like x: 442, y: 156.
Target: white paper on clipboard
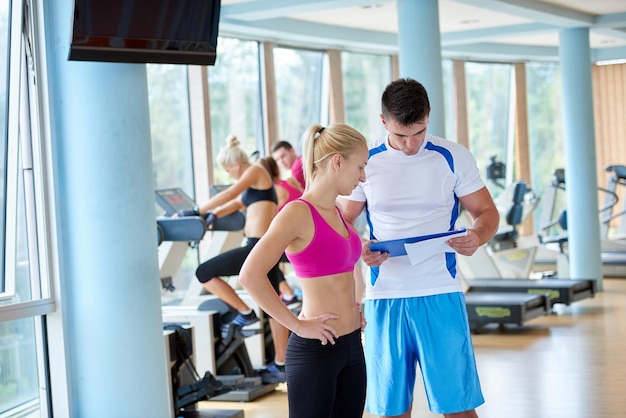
x: 420, y: 251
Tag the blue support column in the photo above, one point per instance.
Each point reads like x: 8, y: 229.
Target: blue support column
x: 585, y: 259
x: 419, y: 42
x: 110, y: 302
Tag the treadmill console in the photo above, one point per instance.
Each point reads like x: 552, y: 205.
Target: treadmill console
x: 174, y: 200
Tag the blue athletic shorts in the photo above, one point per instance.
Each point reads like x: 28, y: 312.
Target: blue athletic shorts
x: 431, y: 331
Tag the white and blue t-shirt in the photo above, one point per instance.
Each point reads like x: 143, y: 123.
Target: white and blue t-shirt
x: 413, y: 195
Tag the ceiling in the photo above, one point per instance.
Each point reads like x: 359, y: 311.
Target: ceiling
x: 470, y: 29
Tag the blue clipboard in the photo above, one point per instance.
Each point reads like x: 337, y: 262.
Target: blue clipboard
x: 395, y: 247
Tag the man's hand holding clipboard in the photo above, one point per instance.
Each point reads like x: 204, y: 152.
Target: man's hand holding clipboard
x: 421, y: 247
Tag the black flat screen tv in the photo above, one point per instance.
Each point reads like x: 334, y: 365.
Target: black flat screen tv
x: 145, y: 31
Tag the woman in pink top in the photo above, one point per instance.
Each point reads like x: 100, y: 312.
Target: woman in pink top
x: 286, y: 190
x: 325, y: 365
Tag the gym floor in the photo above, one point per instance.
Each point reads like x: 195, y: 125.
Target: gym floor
x: 568, y: 365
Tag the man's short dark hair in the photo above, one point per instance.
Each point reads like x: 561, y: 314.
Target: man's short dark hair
x: 406, y: 101
x: 282, y: 144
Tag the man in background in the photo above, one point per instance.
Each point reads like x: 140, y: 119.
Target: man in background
x: 285, y: 155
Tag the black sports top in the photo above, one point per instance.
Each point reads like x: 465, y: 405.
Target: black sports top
x: 251, y: 196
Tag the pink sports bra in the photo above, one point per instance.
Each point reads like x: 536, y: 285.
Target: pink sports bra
x: 328, y: 252
x: 292, y: 192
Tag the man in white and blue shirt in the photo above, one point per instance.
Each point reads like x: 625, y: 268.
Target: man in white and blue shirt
x: 415, y: 185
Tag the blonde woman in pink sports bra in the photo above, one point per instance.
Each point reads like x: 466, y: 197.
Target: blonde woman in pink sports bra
x: 325, y: 366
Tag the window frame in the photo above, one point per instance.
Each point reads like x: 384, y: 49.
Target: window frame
x: 28, y: 135
x: 11, y: 164
x: 26, y: 118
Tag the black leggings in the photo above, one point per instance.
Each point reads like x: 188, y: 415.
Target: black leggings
x: 326, y: 381
x: 229, y: 264
x: 281, y: 276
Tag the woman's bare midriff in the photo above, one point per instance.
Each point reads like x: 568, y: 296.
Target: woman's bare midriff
x: 332, y: 294
x: 259, y: 216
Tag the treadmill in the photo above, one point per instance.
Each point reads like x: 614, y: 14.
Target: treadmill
x: 504, y: 308
x: 564, y: 291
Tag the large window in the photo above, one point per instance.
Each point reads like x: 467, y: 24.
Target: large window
x: 171, y: 151
x: 488, y: 108
x: 235, y: 97
x: 545, y: 125
x: 18, y: 367
x: 448, y: 99
x: 364, y: 79
x: 300, y: 92
x: 169, y: 126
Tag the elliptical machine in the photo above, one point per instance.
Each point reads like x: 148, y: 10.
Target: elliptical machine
x: 553, y: 229
x: 617, y: 178
x: 187, y: 387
